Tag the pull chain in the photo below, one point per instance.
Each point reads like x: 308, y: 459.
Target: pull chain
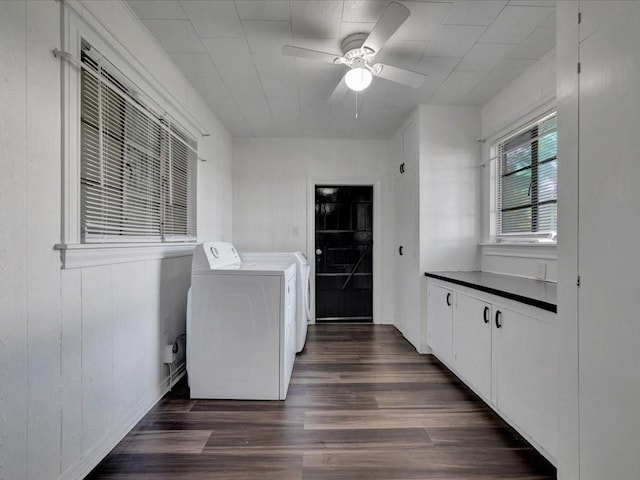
x: 356, y: 105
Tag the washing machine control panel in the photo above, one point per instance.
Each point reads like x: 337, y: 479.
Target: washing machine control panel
x: 220, y: 254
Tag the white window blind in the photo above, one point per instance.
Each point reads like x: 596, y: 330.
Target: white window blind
x: 527, y: 182
x: 138, y: 168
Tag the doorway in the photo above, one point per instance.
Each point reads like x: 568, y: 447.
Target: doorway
x: 344, y: 253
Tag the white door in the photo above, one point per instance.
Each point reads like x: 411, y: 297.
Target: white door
x: 609, y: 262
x: 525, y: 365
x: 439, y: 322
x: 472, y: 343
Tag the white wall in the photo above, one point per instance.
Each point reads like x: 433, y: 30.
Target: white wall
x: 79, y: 349
x: 450, y: 211
x: 518, y: 103
x: 271, y: 208
x: 450, y: 208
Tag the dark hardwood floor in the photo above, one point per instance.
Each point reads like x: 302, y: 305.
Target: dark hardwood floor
x: 362, y: 405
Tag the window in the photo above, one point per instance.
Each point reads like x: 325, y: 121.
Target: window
x: 137, y: 167
x: 527, y: 182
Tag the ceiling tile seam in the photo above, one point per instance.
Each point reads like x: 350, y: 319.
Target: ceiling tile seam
x: 328, y: 120
x: 451, y: 73
x: 487, y: 26
x: 247, y: 124
x: 255, y: 69
x: 424, y: 54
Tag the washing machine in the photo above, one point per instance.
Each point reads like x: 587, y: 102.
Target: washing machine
x: 241, y: 332
x: 303, y: 288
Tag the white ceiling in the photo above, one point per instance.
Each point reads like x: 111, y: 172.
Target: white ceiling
x: 230, y: 51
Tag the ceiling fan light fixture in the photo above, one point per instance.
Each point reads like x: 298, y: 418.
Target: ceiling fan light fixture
x: 358, y: 78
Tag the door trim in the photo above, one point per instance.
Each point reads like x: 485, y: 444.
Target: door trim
x: 376, y: 183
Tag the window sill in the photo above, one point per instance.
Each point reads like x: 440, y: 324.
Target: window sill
x: 93, y: 255
x: 537, y: 250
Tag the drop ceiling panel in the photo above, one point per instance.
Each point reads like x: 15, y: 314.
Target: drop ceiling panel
x: 457, y: 86
x: 368, y: 11
x: 316, y: 18
x: 227, y: 108
x: 229, y: 51
x: 453, y: 40
x: 158, y: 9
x: 509, y: 70
x: 266, y: 36
x: 349, y: 28
x: 286, y: 115
x: 214, y: 19
x: 473, y: 12
x: 318, y: 81
x: 515, y: 24
x: 329, y: 45
x: 241, y: 80
x: 277, y: 75
x: 423, y: 21
x: 195, y: 64
x: 483, y: 92
x: 484, y: 57
x: 541, y: 41
x: 212, y: 86
x: 175, y: 36
x: 276, y: 10
x: 256, y: 111
x: 403, y: 54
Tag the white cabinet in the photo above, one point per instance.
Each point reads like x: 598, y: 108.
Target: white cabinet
x: 525, y: 365
x: 472, y: 343
x: 406, y: 245
x: 440, y: 318
x: 505, y: 351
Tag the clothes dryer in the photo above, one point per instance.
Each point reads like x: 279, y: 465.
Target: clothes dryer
x: 303, y: 288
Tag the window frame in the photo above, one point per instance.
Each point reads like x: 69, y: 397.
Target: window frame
x: 78, y: 25
x: 490, y: 164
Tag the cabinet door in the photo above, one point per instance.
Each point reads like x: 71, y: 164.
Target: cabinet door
x: 472, y: 343
x: 439, y: 322
x: 407, y: 273
x: 525, y: 368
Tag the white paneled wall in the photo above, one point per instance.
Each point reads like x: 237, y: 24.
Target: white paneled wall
x: 449, y: 188
x: 270, y: 197
x: 518, y: 103
x: 116, y: 320
x: 80, y: 350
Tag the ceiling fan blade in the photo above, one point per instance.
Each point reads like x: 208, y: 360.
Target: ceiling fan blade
x: 339, y: 92
x: 391, y: 19
x: 300, y: 52
x: 400, y: 75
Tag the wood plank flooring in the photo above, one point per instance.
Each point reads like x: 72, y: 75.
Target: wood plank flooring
x: 362, y: 404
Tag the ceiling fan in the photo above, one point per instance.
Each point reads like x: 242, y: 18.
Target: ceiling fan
x: 358, y: 52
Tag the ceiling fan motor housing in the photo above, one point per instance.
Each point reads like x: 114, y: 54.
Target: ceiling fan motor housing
x: 355, y: 55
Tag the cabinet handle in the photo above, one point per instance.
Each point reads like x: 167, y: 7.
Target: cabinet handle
x: 449, y: 299
x: 400, y: 250
x: 485, y: 315
x: 498, y: 319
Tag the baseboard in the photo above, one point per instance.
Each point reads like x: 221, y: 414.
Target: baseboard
x: 101, y: 449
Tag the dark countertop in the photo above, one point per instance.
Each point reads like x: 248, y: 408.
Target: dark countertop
x: 536, y: 293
